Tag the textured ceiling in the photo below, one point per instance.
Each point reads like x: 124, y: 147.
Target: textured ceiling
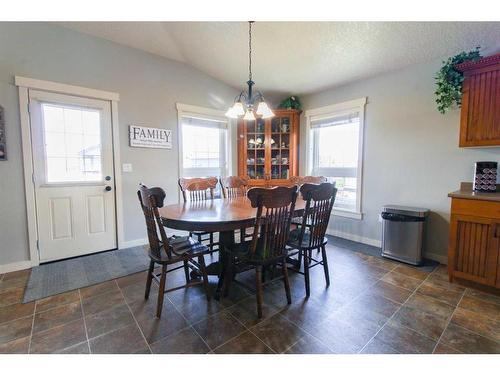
x: 298, y: 57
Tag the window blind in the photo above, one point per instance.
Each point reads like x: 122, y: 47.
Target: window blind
x: 204, y: 122
x: 337, y: 119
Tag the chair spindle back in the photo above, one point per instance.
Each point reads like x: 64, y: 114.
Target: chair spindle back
x: 151, y: 200
x: 301, y: 180
x: 319, y: 203
x: 275, y: 208
x: 198, y: 188
x: 233, y: 186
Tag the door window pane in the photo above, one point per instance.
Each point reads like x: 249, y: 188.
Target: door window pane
x: 72, y: 141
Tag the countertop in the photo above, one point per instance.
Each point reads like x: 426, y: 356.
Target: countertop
x: 466, y: 192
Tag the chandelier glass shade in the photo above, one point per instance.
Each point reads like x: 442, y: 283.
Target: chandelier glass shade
x: 249, y: 104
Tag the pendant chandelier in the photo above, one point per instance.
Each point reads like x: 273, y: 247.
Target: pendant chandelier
x: 245, y: 103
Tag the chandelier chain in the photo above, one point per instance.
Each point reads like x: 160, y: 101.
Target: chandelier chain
x: 253, y: 104
x: 250, y: 50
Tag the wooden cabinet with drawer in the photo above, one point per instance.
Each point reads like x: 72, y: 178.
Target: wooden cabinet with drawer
x: 474, y: 244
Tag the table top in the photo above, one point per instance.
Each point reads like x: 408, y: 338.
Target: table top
x: 214, y: 215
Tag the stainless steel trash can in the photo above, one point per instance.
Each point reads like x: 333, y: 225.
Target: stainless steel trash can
x: 403, y: 232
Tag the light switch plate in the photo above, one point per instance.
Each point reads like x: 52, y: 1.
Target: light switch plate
x: 127, y: 167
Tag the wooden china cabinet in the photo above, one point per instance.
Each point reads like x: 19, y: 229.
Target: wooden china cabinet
x: 268, y: 150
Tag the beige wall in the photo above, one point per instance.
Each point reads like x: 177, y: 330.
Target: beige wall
x: 149, y: 87
x: 411, y: 153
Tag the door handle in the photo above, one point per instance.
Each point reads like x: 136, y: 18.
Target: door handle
x: 107, y: 178
x: 108, y: 188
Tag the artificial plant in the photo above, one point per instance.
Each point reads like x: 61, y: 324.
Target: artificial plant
x: 449, y: 80
x: 291, y: 102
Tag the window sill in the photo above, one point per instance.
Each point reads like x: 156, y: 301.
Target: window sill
x: 348, y: 214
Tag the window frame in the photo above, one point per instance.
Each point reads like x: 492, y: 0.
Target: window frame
x: 187, y: 110
x: 332, y: 110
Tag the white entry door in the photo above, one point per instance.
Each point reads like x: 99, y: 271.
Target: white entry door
x: 73, y: 178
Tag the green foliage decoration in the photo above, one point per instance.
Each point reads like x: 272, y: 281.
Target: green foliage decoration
x: 449, y: 81
x: 291, y: 102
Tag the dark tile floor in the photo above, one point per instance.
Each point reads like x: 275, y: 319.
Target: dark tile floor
x: 373, y: 305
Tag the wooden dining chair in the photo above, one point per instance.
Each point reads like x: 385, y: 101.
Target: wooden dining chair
x: 275, y: 208
x: 169, y: 251
x: 233, y: 186
x: 198, y: 188
x: 195, y: 190
x: 310, y: 235
x: 301, y: 180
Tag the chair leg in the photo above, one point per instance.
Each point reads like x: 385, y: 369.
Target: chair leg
x: 287, y: 283
x: 299, y: 260
x: 228, y: 276
x: 222, y: 272
x: 186, y: 271
x: 161, y: 291
x: 325, y: 265
x: 258, y: 286
x: 306, y: 272
x: 149, y: 279
x: 203, y: 270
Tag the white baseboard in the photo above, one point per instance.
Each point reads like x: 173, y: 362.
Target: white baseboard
x: 16, y: 266
x: 133, y: 243
x: 443, y: 259
x: 354, y: 237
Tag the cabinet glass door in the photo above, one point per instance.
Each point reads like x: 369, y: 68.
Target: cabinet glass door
x: 280, y: 147
x: 255, y: 162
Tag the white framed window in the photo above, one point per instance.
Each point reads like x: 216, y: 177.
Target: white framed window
x: 203, y: 142
x: 335, y: 141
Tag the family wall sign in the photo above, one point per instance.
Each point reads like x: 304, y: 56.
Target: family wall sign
x: 141, y: 136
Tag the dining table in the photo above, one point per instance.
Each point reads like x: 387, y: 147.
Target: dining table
x: 225, y: 216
